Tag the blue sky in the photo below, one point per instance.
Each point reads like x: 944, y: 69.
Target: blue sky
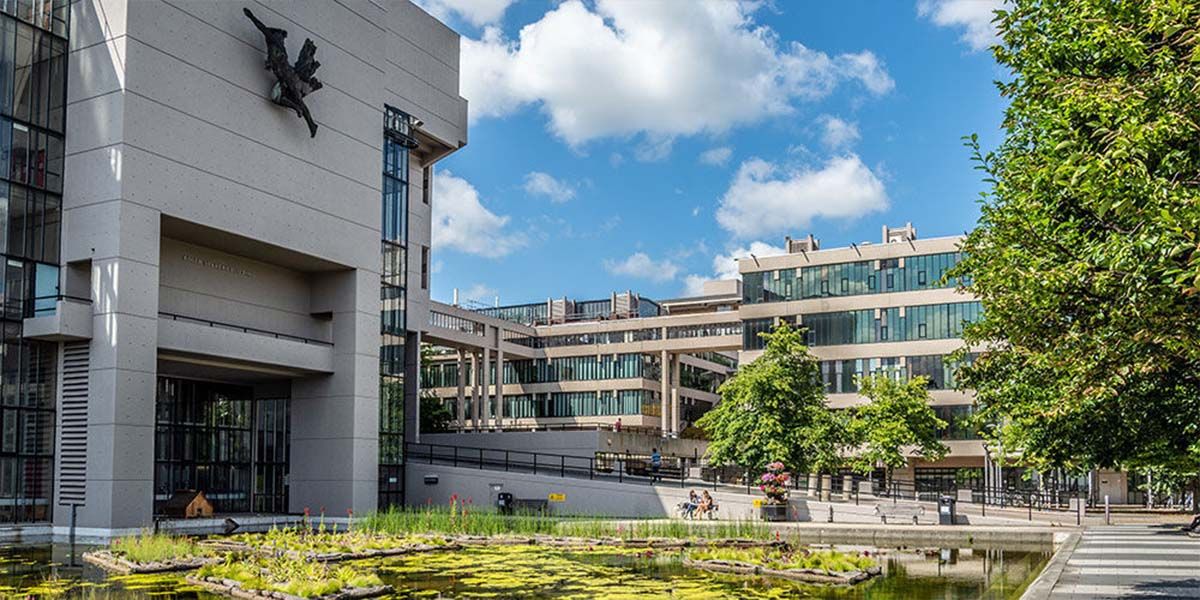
x: 642, y: 145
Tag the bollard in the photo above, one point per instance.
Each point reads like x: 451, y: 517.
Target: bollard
x: 830, y: 513
x: 1107, y: 515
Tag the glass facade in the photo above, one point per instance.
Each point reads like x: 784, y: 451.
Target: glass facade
x: 840, y: 376
x: 582, y: 404
x: 930, y: 321
x: 397, y: 141
x: 849, y: 279
x: 541, y: 370
x: 219, y: 439
x: 33, y: 67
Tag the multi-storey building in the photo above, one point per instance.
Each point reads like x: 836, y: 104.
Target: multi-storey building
x: 651, y: 366
x: 874, y: 308
x: 194, y: 278
x: 883, y: 308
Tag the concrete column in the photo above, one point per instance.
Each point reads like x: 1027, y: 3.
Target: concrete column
x: 665, y: 393
x: 499, y: 388
x: 412, y: 387
x: 122, y: 241
x: 675, y: 394
x: 460, y: 406
x: 335, y: 418
x: 475, y: 368
x: 487, y: 391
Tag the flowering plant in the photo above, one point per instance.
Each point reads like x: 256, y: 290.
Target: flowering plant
x: 774, y: 482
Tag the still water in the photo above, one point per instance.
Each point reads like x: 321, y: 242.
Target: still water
x: 542, y: 573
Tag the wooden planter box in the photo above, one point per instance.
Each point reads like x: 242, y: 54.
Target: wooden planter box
x: 804, y: 575
x: 233, y: 588
x: 116, y: 564
x: 774, y: 512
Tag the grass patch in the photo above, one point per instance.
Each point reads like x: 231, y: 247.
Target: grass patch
x: 831, y: 561
x: 307, y: 579
x: 149, y: 547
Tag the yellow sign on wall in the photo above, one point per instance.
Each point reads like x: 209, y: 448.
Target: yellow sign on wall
x: 558, y: 497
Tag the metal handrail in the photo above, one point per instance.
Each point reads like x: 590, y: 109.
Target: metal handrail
x: 244, y: 329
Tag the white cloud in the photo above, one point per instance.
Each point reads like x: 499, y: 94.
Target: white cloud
x: 975, y: 16
x: 724, y: 266
x: 716, y: 156
x: 461, y: 222
x: 647, y: 67
x: 654, y: 148
x: 837, y: 134
x: 762, y: 200
x: 693, y: 285
x: 475, y: 12
x: 641, y: 266
x: 482, y: 293
x: 538, y: 183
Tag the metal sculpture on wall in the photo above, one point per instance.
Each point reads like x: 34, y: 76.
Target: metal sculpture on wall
x: 293, y: 82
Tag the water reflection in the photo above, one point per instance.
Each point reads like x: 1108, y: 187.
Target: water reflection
x: 542, y: 573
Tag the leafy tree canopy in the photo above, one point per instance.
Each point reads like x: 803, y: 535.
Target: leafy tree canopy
x: 773, y: 409
x: 1087, y: 253
x: 897, y: 419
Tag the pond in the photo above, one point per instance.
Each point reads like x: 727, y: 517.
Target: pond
x: 545, y: 573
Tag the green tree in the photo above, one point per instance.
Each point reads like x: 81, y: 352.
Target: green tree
x: 897, y: 418
x: 1087, y: 253
x: 435, y: 414
x: 773, y: 409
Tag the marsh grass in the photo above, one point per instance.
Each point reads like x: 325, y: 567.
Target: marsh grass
x: 455, y: 520
x: 149, y: 547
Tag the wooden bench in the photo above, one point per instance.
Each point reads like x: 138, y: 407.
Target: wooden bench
x: 899, y: 511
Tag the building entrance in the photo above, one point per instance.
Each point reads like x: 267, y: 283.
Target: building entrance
x: 222, y: 440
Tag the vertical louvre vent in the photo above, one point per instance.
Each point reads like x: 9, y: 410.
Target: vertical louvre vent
x: 73, y: 412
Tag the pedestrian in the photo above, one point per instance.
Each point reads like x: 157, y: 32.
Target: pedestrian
x: 618, y: 426
x: 655, y: 464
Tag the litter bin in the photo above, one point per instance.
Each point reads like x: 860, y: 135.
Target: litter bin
x: 947, y: 510
x: 504, y: 503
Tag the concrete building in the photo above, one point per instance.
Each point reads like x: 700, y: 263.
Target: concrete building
x: 194, y: 283
x: 652, y: 366
x: 869, y: 308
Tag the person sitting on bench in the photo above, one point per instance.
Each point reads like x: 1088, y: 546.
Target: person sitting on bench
x: 689, y: 507
x: 706, y: 504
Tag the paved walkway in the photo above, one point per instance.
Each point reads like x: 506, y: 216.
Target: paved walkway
x: 1131, y: 562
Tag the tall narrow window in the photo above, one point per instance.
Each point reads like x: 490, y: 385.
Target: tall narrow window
x: 424, y: 267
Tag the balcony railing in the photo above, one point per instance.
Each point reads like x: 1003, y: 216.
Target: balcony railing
x: 244, y: 329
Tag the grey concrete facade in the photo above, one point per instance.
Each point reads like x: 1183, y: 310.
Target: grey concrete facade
x: 190, y: 199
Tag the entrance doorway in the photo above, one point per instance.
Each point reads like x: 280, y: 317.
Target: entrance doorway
x: 220, y: 439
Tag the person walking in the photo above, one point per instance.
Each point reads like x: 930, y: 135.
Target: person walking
x: 655, y: 465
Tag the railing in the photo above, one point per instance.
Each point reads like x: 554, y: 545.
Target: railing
x: 676, y: 470
x: 244, y: 329
x: 618, y: 468
x: 43, y: 306
x: 455, y: 323
x: 566, y: 427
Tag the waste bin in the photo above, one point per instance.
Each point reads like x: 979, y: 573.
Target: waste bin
x: 504, y: 503
x: 947, y: 510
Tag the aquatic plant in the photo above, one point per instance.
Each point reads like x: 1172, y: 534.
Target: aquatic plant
x: 328, y: 541
x: 148, y: 547
x: 831, y: 561
x: 281, y: 573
